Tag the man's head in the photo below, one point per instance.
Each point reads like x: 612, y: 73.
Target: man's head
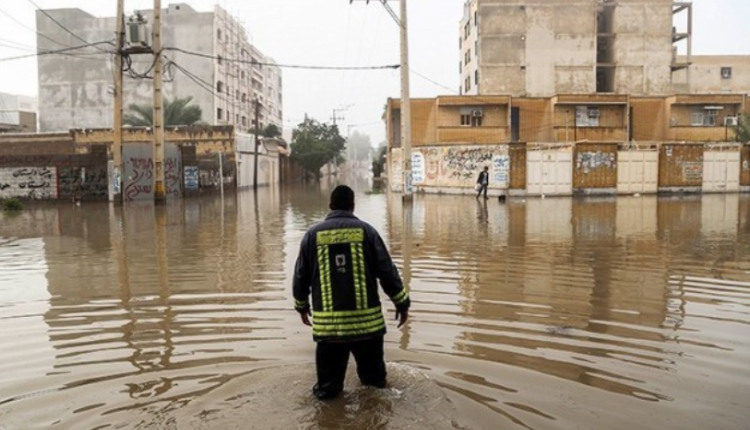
x: 486, y: 168
x: 342, y: 198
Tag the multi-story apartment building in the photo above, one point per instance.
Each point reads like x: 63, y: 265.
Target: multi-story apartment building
x: 207, y: 56
x: 539, y: 48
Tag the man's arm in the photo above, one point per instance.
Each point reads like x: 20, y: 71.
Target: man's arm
x: 301, y: 282
x: 390, y: 280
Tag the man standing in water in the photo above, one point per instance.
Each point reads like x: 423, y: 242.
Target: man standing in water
x: 483, y: 181
x: 340, y: 262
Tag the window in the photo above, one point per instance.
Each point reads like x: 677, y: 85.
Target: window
x: 219, y: 59
x: 244, y: 121
x: 471, y: 116
x: 219, y: 86
x: 467, y: 29
x: 587, y: 116
x: 244, y: 97
x: 476, y: 77
x: 219, y: 113
x: 704, y: 116
x: 218, y: 33
x: 726, y: 73
x: 467, y: 83
x: 476, y: 48
x: 476, y: 22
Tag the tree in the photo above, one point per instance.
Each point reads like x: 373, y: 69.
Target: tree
x: 743, y: 128
x: 358, y: 147
x: 268, y: 131
x: 314, y: 144
x: 176, y: 112
x: 379, y: 160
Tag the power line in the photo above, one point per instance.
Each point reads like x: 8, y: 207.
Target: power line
x: 288, y: 66
x: 33, y: 30
x: 61, y: 51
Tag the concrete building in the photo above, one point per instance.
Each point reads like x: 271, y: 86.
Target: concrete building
x: 216, y: 64
x: 539, y: 48
x: 715, y: 74
x: 17, y: 113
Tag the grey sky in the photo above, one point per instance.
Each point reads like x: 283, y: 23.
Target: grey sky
x: 333, y: 32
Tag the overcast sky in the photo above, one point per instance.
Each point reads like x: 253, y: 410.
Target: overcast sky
x: 336, y: 33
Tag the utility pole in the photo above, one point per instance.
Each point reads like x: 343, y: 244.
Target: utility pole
x: 405, y: 104
x: 117, y: 123
x: 256, y: 105
x: 405, y: 100
x: 159, y: 191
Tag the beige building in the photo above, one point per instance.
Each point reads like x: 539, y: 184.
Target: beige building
x: 715, y: 74
x: 216, y: 64
x: 539, y: 48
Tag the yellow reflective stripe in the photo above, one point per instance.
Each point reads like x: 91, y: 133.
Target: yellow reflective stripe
x: 349, y: 329
x: 361, y: 273
x: 342, y: 235
x: 347, y: 320
x: 324, y: 266
x: 358, y: 273
x: 301, y: 303
x: 400, y: 297
x: 340, y: 314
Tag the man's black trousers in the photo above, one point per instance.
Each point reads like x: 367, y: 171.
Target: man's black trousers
x: 331, y: 359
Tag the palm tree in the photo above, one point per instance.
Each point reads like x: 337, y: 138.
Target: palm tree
x: 176, y: 112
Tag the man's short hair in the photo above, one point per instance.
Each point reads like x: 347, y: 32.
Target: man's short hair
x: 342, y: 198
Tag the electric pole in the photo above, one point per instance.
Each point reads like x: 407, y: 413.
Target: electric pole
x: 256, y: 105
x: 159, y: 191
x: 117, y: 123
x: 405, y: 100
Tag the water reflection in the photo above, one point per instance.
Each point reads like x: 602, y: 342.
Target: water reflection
x: 538, y: 313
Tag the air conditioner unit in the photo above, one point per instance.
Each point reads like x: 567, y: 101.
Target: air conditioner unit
x: 477, y: 113
x: 730, y: 121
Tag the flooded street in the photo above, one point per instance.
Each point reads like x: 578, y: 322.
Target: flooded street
x: 558, y: 313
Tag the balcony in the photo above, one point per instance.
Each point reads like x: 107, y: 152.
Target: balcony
x: 478, y: 135
x: 592, y: 134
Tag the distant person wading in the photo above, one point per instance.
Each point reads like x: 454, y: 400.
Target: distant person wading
x: 483, y: 181
x: 340, y: 262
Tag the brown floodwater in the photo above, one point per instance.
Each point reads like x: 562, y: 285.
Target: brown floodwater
x: 557, y: 313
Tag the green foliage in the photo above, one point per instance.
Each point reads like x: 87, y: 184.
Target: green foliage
x: 379, y: 160
x: 176, y: 112
x: 11, y: 204
x: 743, y: 128
x: 314, y: 144
x: 268, y: 131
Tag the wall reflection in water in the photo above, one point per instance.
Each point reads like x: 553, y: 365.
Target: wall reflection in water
x: 525, y: 311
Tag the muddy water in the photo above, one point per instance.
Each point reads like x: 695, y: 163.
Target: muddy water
x: 549, y: 313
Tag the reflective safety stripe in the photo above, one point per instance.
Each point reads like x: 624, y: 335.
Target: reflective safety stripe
x: 348, y: 323
x: 342, y: 235
x: 324, y: 266
x: 346, y: 314
x: 358, y: 265
x: 301, y: 303
x: 400, y: 297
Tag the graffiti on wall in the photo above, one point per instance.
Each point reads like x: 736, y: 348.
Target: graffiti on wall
x: 28, y: 182
x: 172, y: 177
x: 465, y: 163
x: 83, y: 181
x: 417, y: 168
x: 191, y: 178
x: 588, y: 161
x: 432, y: 165
x: 501, y: 169
x: 139, y: 178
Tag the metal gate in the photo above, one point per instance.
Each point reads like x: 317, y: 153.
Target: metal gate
x: 637, y: 172
x: 549, y: 172
x: 721, y: 171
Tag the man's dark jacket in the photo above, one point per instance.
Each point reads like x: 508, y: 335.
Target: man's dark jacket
x: 339, y: 262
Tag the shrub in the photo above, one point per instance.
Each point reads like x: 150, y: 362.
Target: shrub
x: 11, y: 204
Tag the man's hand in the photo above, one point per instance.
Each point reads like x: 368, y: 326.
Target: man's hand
x: 305, y: 316
x: 402, y: 316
